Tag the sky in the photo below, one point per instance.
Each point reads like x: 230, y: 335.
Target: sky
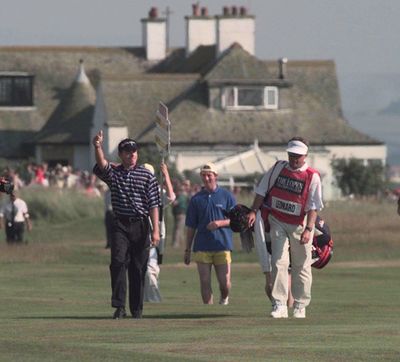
x: 361, y: 36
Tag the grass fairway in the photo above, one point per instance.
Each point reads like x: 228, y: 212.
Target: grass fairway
x: 55, y: 298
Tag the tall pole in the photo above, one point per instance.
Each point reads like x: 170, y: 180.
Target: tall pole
x: 167, y: 14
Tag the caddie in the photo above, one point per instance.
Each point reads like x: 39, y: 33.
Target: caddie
x: 293, y: 199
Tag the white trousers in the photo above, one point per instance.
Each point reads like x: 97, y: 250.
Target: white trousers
x: 151, y: 289
x: 261, y: 238
x: 282, y: 236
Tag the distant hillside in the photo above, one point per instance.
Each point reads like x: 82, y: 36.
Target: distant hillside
x: 371, y: 104
x: 392, y: 109
x: 369, y: 92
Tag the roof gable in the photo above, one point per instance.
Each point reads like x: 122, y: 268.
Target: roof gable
x: 134, y: 101
x: 237, y: 64
x: 71, y: 120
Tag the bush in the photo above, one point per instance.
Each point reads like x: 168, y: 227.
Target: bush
x: 355, y: 178
x: 54, y: 205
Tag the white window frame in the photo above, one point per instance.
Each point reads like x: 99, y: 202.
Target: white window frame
x: 236, y: 106
x: 273, y: 105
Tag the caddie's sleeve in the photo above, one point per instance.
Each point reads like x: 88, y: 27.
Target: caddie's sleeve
x: 314, y: 200
x: 262, y: 187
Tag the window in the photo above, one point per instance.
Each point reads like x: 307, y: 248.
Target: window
x: 250, y: 98
x: 16, y: 91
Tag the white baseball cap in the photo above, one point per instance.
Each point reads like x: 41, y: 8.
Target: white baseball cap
x: 149, y: 167
x: 297, y: 147
x: 209, y: 167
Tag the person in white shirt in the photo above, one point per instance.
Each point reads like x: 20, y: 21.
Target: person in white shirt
x: 14, y: 216
x: 289, y: 195
x: 151, y: 282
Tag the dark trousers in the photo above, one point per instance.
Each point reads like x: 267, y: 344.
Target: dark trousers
x: 129, y: 253
x: 15, y: 232
x: 109, y: 223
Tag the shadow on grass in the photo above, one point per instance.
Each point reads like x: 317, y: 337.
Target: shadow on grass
x: 161, y: 316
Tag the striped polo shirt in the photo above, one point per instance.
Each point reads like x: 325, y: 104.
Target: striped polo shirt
x: 134, y: 191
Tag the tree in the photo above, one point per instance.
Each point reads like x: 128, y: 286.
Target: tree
x: 353, y: 177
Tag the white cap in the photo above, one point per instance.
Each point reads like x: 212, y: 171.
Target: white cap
x: 209, y: 167
x: 297, y: 147
x: 149, y: 167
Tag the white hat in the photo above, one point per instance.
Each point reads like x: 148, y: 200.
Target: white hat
x: 149, y: 167
x: 297, y: 147
x: 209, y: 167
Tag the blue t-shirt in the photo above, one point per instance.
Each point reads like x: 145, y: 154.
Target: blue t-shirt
x: 205, y: 207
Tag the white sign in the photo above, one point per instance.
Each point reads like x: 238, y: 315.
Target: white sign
x: 163, y: 129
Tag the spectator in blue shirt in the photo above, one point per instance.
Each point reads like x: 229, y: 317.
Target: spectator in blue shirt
x: 208, y: 230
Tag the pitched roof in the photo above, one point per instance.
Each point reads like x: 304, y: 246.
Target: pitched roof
x: 72, y: 119
x: 54, y: 67
x: 235, y: 63
x: 177, y: 61
x: 133, y: 101
x: 132, y: 88
x: 312, y: 108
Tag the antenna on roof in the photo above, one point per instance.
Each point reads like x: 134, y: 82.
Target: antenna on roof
x: 167, y: 14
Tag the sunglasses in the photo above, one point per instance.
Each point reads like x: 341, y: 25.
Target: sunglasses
x: 294, y: 155
x: 129, y: 146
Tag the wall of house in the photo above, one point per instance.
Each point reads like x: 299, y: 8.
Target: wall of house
x: 154, y: 38
x: 82, y: 159
x: 214, y: 97
x: 114, y: 136
x: 319, y: 158
x: 52, y: 154
x: 285, y: 99
x: 199, y: 31
x: 236, y: 30
x: 378, y: 152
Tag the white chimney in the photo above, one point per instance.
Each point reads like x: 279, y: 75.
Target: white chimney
x: 235, y: 26
x: 154, y: 36
x: 282, y: 67
x: 200, y: 29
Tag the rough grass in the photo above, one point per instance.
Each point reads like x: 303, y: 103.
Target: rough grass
x: 55, y: 297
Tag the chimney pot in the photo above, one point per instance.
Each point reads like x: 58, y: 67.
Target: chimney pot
x: 196, y: 9
x: 225, y: 10
x: 243, y: 11
x: 282, y: 67
x: 234, y: 10
x: 153, y: 13
x: 204, y: 11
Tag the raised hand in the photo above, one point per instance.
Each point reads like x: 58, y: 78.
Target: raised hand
x: 98, y: 139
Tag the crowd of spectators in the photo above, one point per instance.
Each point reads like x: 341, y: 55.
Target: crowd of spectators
x: 59, y: 177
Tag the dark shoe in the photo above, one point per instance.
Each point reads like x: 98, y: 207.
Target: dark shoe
x: 119, y: 313
x: 137, y: 314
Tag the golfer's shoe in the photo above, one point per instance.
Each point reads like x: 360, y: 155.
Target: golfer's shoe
x: 299, y: 312
x: 279, y: 311
x: 137, y: 314
x: 119, y: 313
x: 224, y: 301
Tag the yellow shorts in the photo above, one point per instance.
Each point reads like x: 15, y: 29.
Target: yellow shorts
x: 212, y: 257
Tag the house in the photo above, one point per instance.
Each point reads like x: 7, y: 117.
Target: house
x: 225, y: 104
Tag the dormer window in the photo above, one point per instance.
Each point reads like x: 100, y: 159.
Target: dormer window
x: 16, y: 90
x: 249, y: 97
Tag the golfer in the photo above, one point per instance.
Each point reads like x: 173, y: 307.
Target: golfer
x: 135, y: 196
